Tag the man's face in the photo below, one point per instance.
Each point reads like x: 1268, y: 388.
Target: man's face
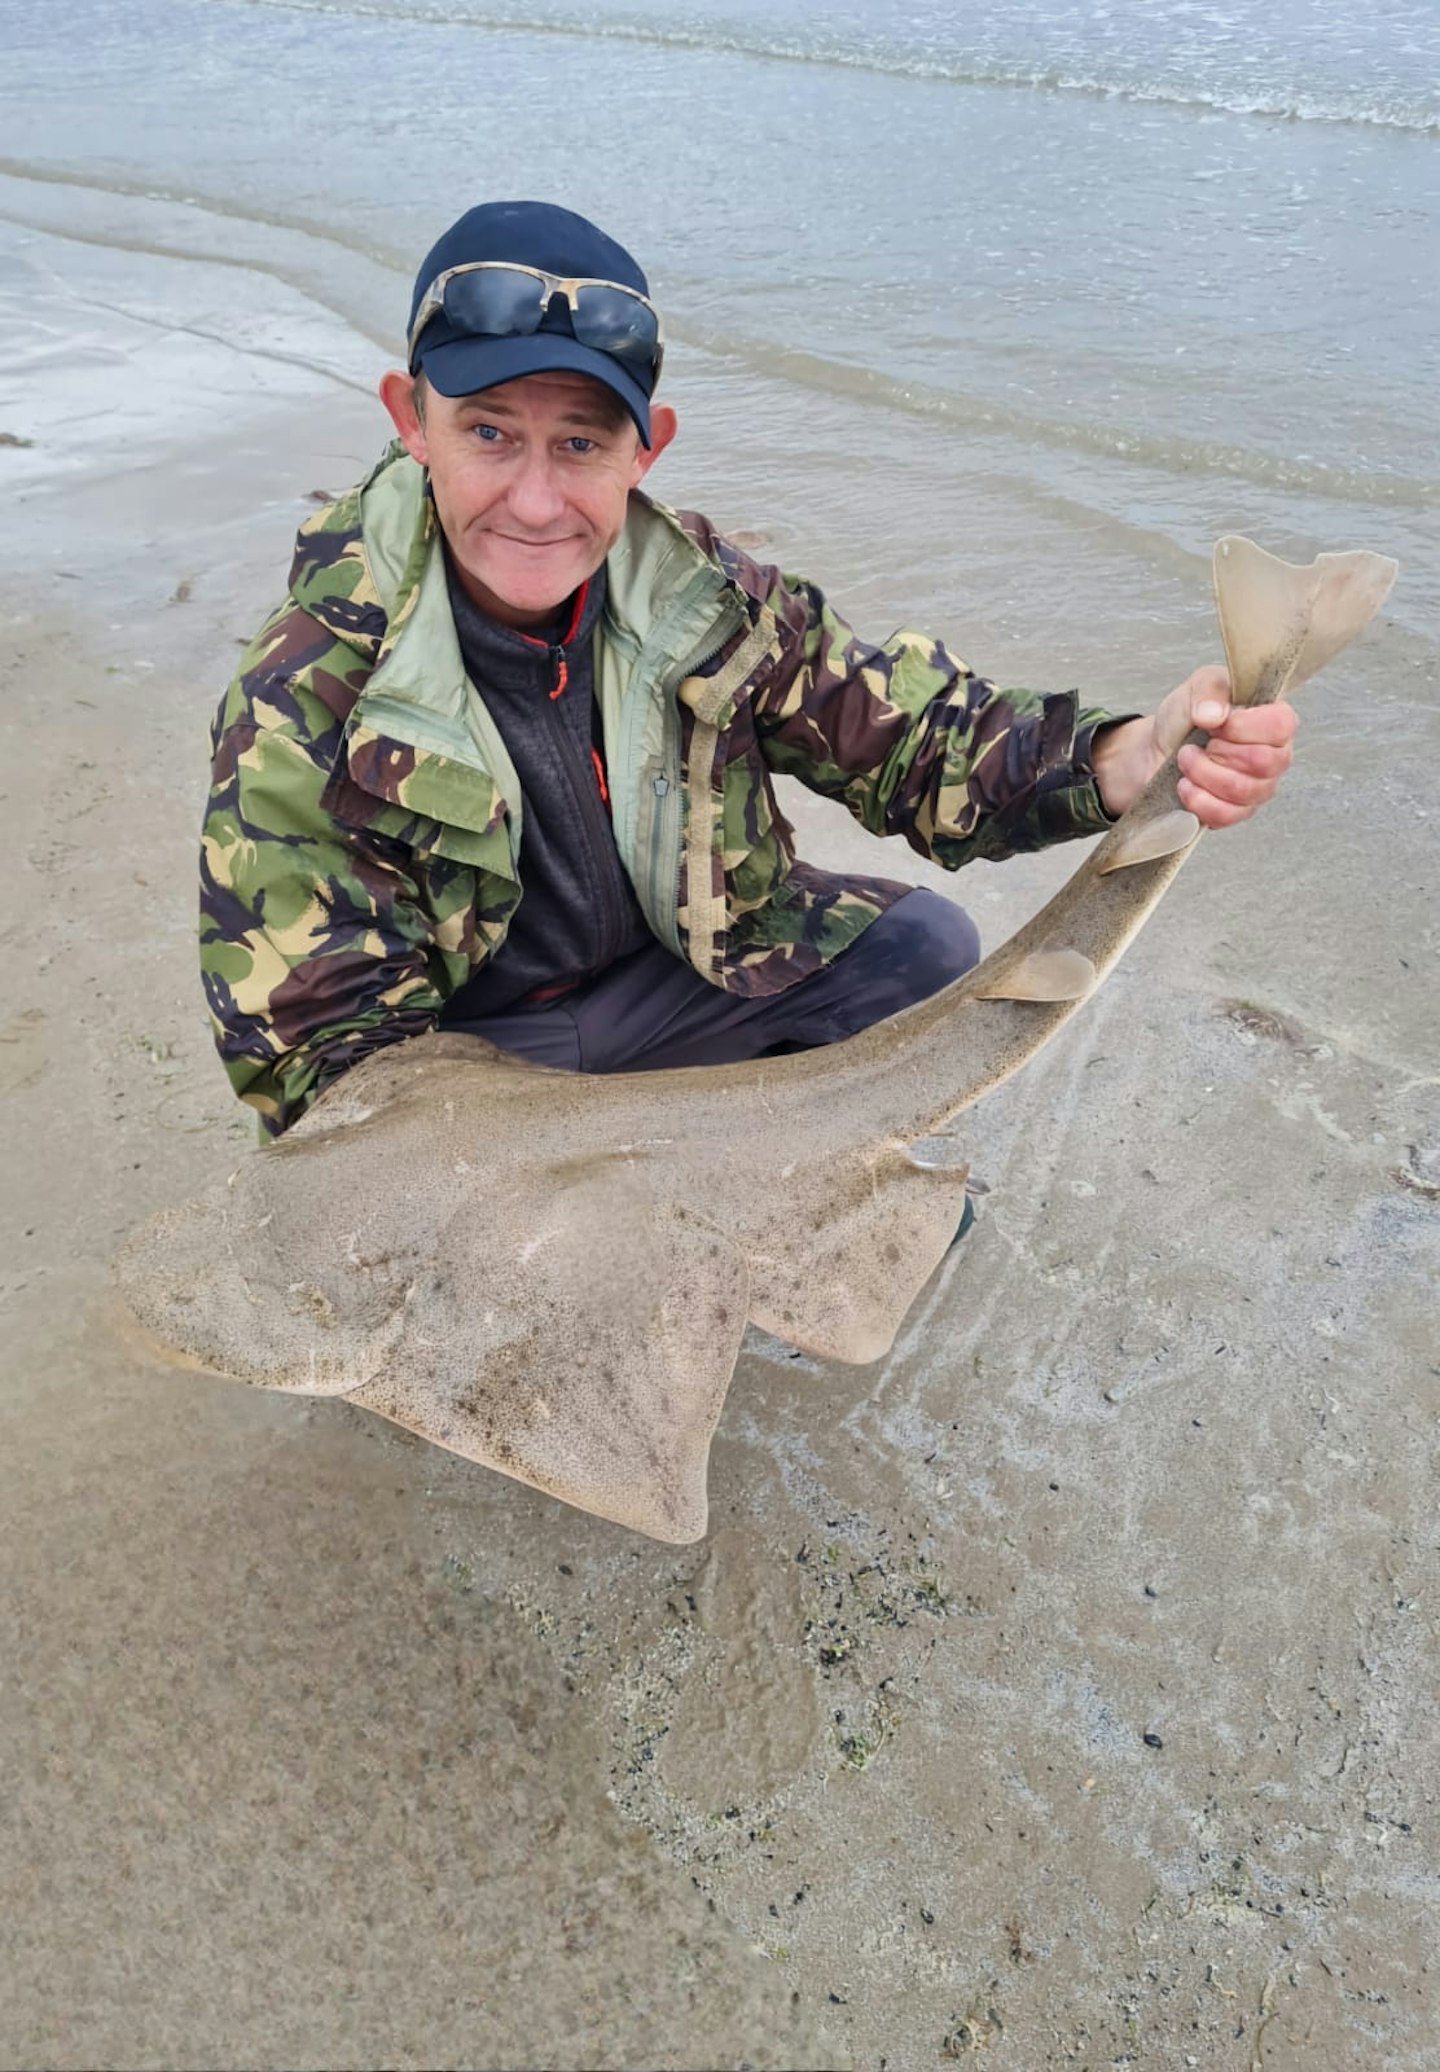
x: 530, y: 480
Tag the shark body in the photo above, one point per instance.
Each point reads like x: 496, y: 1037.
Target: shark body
x: 552, y: 1273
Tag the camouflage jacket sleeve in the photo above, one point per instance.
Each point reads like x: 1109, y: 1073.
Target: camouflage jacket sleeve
x: 911, y: 739
x: 318, y: 941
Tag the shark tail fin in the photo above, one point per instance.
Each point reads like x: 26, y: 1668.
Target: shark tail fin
x: 1282, y: 623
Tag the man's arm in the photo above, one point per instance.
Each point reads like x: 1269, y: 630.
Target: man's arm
x: 318, y: 942
x: 914, y: 742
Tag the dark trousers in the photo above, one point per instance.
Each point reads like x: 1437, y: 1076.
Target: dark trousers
x: 650, y: 1010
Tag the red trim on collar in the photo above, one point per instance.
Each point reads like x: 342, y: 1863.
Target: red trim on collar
x: 579, y: 612
x: 550, y: 646
x: 576, y: 615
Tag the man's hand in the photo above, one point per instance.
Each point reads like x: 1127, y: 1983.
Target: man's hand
x: 1228, y: 779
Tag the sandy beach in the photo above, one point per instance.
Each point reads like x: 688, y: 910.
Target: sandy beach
x: 1062, y: 1690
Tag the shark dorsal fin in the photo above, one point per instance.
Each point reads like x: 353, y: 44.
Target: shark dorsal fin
x: 1043, y: 975
x: 1148, y: 840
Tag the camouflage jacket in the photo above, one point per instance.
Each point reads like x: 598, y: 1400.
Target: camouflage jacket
x: 361, y: 843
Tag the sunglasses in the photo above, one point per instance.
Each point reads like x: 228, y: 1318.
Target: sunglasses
x: 491, y: 298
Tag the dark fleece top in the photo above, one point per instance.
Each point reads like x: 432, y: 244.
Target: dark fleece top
x: 578, y: 912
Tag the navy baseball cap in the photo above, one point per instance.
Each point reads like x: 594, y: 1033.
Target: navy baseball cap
x: 459, y: 360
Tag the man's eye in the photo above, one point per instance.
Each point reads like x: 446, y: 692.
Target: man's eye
x: 490, y: 433
x: 580, y: 444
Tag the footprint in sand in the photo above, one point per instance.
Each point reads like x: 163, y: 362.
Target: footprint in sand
x: 24, y: 1051
x: 53, y: 859
x: 749, y: 1714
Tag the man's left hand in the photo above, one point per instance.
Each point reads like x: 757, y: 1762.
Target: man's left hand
x: 1227, y: 779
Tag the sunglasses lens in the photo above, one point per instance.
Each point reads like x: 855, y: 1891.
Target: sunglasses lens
x: 495, y: 303
x: 616, y: 324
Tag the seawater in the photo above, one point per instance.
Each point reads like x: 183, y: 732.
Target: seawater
x: 1022, y: 305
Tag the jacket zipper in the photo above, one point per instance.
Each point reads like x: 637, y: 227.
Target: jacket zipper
x: 665, y: 846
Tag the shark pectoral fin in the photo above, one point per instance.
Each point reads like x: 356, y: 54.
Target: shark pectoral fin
x: 1282, y: 623
x: 584, y: 1348
x: 848, y: 1251
x: 227, y: 1284
x: 1043, y: 975
x: 1166, y: 835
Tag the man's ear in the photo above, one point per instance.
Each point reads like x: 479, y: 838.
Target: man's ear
x: 663, y: 426
x: 397, y: 393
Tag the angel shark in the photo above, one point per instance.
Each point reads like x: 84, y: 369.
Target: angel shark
x: 552, y: 1273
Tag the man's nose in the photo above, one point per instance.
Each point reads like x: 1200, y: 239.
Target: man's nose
x: 535, y: 498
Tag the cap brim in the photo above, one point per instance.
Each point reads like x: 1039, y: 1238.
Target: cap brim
x: 469, y: 366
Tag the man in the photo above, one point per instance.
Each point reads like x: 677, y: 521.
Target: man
x: 502, y: 760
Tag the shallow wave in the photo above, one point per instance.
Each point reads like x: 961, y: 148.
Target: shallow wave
x: 328, y: 232
x: 290, y: 249
x: 1276, y: 104
x: 1172, y: 455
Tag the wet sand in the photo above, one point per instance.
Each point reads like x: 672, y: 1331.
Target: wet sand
x: 1061, y: 1690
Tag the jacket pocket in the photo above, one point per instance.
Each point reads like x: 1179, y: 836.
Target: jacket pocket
x: 423, y: 798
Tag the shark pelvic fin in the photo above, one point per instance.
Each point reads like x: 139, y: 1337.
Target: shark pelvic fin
x: 851, y: 1245
x: 1043, y: 975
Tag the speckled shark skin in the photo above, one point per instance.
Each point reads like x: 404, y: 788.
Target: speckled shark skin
x: 552, y: 1273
